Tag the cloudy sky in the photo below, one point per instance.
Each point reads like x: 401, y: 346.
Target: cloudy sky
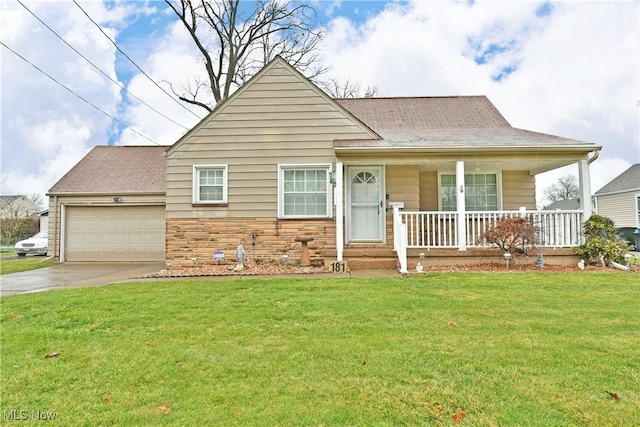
x: 566, y: 68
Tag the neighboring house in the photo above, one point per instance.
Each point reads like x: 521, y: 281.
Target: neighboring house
x: 17, y: 207
x: 44, y: 220
x: 619, y: 200
x: 564, y: 205
x: 280, y: 159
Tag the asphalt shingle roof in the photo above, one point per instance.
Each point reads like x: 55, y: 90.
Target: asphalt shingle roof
x: 117, y: 169
x: 441, y: 122
x: 628, y: 180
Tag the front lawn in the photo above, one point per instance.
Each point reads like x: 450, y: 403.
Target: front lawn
x: 17, y: 265
x: 441, y: 348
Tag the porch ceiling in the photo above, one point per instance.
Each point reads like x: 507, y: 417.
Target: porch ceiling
x: 535, y: 162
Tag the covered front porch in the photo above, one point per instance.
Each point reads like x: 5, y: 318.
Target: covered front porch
x: 437, y: 212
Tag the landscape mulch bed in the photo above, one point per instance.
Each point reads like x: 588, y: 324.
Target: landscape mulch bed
x: 286, y: 270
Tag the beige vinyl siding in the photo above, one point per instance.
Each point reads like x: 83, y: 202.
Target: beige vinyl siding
x: 279, y: 118
x: 620, y: 208
x: 428, y: 191
x: 402, y: 185
x: 518, y: 190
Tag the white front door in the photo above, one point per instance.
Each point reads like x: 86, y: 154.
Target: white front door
x: 366, y: 211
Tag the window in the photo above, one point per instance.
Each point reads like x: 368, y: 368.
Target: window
x: 304, y: 191
x: 210, y: 184
x: 481, y: 192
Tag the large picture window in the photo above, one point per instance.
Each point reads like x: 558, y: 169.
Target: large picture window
x: 210, y: 184
x: 481, y: 192
x: 304, y: 191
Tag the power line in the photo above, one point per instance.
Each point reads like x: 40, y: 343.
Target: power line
x: 97, y: 68
x: 79, y: 96
x: 132, y: 61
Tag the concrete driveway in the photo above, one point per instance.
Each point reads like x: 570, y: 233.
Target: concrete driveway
x: 74, y: 275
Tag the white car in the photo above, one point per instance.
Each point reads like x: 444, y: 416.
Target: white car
x: 36, y: 245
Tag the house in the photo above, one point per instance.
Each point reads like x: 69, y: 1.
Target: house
x: 619, y: 200
x: 566, y: 205
x: 44, y: 220
x: 280, y: 160
x: 18, y: 206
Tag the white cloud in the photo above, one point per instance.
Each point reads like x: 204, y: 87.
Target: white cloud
x: 171, y: 59
x: 575, y: 68
x: 45, y: 128
x: 575, y: 73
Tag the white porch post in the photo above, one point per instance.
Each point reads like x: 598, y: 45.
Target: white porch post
x: 585, y: 189
x: 399, y: 236
x: 460, y: 221
x: 339, y: 211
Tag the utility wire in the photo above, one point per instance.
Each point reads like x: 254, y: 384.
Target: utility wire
x: 99, y: 70
x: 131, y: 60
x: 79, y: 96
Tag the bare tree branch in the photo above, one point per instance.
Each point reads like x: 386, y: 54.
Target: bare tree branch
x: 347, y: 89
x: 565, y: 188
x: 237, y: 38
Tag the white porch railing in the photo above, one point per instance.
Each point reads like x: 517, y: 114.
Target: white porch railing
x: 438, y: 229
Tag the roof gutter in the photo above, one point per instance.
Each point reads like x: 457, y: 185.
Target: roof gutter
x: 596, y: 154
x: 494, y: 149
x: 107, y: 194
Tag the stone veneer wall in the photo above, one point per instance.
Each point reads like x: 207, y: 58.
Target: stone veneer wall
x: 189, y: 238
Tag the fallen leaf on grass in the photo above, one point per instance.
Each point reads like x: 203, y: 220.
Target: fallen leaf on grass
x: 452, y: 323
x: 165, y: 409
x: 458, y: 416
x: 52, y: 354
x: 106, y: 398
x: 616, y: 396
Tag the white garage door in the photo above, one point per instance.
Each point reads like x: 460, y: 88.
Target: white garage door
x: 115, y: 233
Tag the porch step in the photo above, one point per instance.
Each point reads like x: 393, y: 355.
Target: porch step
x: 370, y: 258
x: 368, y: 252
x: 366, y: 263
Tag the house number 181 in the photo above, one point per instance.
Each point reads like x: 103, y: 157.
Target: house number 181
x: 338, y: 267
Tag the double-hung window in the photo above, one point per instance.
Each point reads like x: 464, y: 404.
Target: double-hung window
x: 481, y: 192
x: 209, y: 184
x: 304, y: 191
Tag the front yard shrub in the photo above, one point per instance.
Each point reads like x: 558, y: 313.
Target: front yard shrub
x: 515, y: 235
x: 602, y: 242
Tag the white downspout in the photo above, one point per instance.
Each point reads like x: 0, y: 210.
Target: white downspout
x: 585, y: 189
x: 63, y: 221
x: 461, y: 223
x: 339, y: 211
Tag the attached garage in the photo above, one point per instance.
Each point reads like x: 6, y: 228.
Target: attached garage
x: 111, y: 207
x: 114, y: 233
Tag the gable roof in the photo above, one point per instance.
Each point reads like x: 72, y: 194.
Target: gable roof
x: 277, y: 62
x: 628, y: 180
x: 565, y: 205
x: 6, y: 201
x: 444, y: 123
x: 116, y: 169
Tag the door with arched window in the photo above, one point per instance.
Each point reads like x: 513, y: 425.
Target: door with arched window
x: 365, y: 204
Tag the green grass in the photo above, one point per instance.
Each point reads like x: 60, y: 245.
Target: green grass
x: 8, y: 266
x: 535, y: 349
